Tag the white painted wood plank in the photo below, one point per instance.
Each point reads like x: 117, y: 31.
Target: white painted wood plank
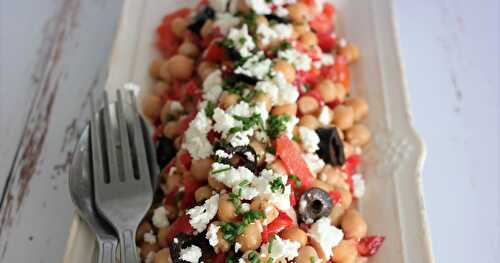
x: 37, y: 218
x: 451, y: 52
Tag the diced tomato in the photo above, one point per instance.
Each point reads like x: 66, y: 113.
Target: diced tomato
x: 329, y: 10
x: 351, y: 163
x: 215, y: 52
x: 212, y: 136
x: 369, y: 246
x: 334, y: 104
x: 180, y: 225
x: 277, y: 225
x: 335, y: 196
x: 190, y: 186
x: 293, y: 161
x: 167, y: 40
x: 293, y: 199
x: 307, y: 77
x: 326, y: 42
x: 193, y: 91
x: 338, y: 72
x: 185, y: 160
x: 170, y: 198
x: 184, y: 123
x: 322, y: 24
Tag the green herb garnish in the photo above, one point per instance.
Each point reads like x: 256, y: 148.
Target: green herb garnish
x: 296, y: 180
x: 312, y: 259
x: 209, y: 109
x: 276, y: 124
x: 251, y: 216
x: 277, y: 185
x: 221, y: 170
x: 227, y: 43
x: 253, y: 257
x: 230, y: 230
x: 269, y: 260
x: 270, y: 246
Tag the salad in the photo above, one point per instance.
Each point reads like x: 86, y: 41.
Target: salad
x: 258, y: 137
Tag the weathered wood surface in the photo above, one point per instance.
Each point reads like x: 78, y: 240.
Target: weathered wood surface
x: 54, y: 52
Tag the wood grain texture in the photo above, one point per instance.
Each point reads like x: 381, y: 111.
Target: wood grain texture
x: 35, y: 209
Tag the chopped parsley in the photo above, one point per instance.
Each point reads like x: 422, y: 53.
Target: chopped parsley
x: 270, y: 150
x: 221, y: 170
x: 253, y: 257
x: 231, y: 259
x: 251, y: 216
x: 227, y: 43
x: 244, y: 183
x: 250, y: 95
x: 235, y: 88
x: 283, y: 46
x: 230, y: 230
x: 270, y: 260
x: 312, y: 259
x: 277, y: 185
x: 270, y: 246
x: 296, y: 180
x: 295, y: 138
x: 276, y: 124
x: 209, y: 109
x: 247, y: 123
x: 236, y: 200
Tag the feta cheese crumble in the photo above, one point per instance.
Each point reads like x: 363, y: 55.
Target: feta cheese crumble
x: 299, y: 60
x: 218, y: 5
x: 278, y: 88
x: 358, y: 185
x: 326, y: 235
x: 225, y: 21
x: 263, y: 185
x: 259, y: 6
x: 243, y: 42
x: 256, y: 66
x: 309, y: 139
x: 160, y: 217
x: 200, y: 216
x: 233, y: 177
x: 212, y: 234
x: 212, y: 86
x: 281, y: 249
x: 325, y: 116
x: 149, y: 237
x: 270, y: 34
x: 195, y: 139
x: 314, y: 162
x: 191, y: 254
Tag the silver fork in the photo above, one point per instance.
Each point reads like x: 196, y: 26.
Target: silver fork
x: 122, y: 167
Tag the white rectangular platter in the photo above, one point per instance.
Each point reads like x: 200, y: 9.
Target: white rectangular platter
x: 393, y: 204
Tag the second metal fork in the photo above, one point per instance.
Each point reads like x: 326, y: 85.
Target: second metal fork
x: 122, y: 166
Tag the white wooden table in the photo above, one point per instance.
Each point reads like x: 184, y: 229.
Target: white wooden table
x: 54, y: 52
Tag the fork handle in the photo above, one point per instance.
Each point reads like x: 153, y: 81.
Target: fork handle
x: 128, y: 249
x: 106, y: 251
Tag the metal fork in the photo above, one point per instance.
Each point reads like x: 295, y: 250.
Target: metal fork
x: 122, y: 167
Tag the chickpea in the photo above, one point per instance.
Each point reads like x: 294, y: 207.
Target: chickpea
x: 308, y: 39
x: 180, y: 67
x: 333, y: 177
x: 359, y: 106
x: 201, y: 168
x: 147, y: 248
x: 265, y: 98
x: 336, y: 214
x: 189, y: 49
x: 298, y: 12
x: 350, y: 52
x: 308, y: 104
x: 353, y: 225
x: 343, y: 117
x: 166, y: 111
x: 206, y: 29
x: 173, y: 182
x: 215, y: 184
x: 261, y: 203
x: 227, y: 211
x: 261, y: 20
x: 228, y: 99
x: 170, y: 129
x: 279, y: 167
x: 162, y: 236
x: 143, y: 228
x: 294, y: 233
x: 160, y: 88
x: 341, y: 91
x: 345, y: 251
x: 206, y: 68
x: 179, y: 26
x: 151, y: 106
x: 251, y: 237
x: 202, y: 193
x: 327, y: 90
x: 286, y: 109
x: 345, y: 197
x: 163, y: 256
x: 322, y: 185
x: 309, y: 121
x: 358, y: 135
x: 307, y: 254
x: 222, y: 245
x: 154, y: 68
x: 286, y: 69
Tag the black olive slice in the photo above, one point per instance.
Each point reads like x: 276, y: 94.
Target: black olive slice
x: 273, y: 17
x: 314, y: 204
x: 242, y: 155
x: 165, y: 151
x: 182, y: 241
x: 233, y: 78
x: 331, y: 149
x: 199, y: 19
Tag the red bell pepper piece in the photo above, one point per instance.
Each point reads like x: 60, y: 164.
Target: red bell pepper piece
x: 351, y: 163
x: 335, y: 196
x: 369, y: 246
x: 190, y: 186
x: 184, y: 123
x: 168, y: 42
x: 277, y: 225
x: 327, y: 42
x: 293, y: 161
x: 185, y: 160
x: 215, y: 52
x: 180, y: 225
